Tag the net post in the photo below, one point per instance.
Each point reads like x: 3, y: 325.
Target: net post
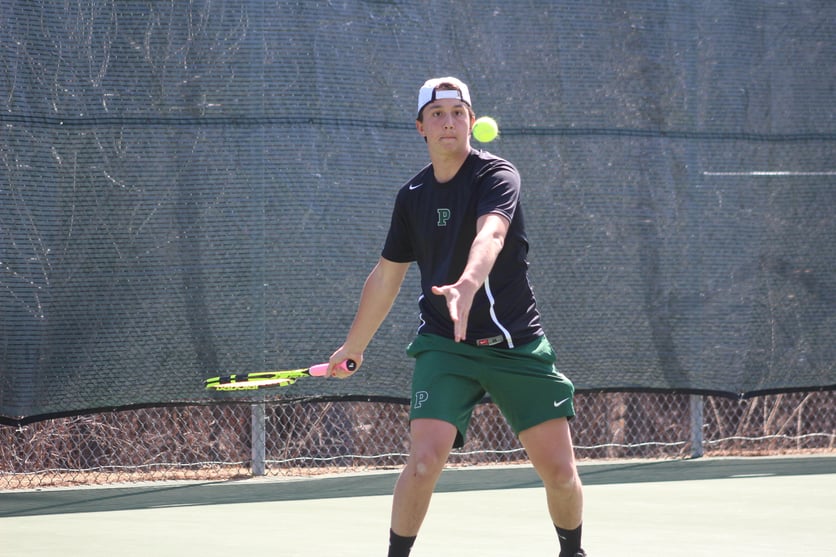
x: 696, y: 425
x: 259, y: 439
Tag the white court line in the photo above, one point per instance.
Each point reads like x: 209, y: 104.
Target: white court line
x: 771, y: 173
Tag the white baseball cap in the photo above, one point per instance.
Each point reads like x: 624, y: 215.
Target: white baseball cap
x: 429, y: 92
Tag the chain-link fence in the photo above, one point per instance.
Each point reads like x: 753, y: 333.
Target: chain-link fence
x: 225, y: 440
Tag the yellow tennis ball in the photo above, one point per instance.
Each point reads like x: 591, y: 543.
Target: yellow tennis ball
x: 485, y: 129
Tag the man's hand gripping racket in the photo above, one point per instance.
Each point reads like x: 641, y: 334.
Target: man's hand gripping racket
x: 264, y: 379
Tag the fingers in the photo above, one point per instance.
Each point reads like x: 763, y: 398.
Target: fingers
x: 459, y: 308
x: 337, y: 364
x: 460, y: 329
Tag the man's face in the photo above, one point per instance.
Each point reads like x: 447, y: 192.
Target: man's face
x: 446, y: 124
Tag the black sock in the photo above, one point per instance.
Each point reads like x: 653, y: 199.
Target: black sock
x: 570, y: 541
x: 400, y: 546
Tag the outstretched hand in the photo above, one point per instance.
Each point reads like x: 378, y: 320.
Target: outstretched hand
x: 459, y: 301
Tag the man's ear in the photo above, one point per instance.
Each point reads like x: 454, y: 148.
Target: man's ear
x: 419, y: 125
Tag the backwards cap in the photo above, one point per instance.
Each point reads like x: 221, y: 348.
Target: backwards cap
x: 429, y: 92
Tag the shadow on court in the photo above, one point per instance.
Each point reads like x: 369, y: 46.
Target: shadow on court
x: 265, y: 490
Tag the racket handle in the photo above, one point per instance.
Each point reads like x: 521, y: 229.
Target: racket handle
x: 320, y: 370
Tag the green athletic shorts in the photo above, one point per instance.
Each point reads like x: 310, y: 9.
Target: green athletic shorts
x: 450, y: 378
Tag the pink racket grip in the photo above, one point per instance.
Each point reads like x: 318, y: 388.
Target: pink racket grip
x: 320, y: 370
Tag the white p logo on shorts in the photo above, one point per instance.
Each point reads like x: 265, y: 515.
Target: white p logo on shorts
x: 420, y: 398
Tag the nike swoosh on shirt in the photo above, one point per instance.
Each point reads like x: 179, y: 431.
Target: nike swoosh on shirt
x: 558, y: 404
x: 415, y: 186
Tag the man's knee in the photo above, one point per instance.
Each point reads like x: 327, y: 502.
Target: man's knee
x: 561, y: 474
x: 430, y: 446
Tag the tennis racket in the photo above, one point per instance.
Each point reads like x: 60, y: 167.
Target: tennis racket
x: 264, y: 379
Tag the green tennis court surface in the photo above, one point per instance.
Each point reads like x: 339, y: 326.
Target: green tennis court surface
x: 708, y: 507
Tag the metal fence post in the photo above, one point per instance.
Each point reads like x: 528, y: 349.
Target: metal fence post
x: 259, y: 439
x: 696, y: 426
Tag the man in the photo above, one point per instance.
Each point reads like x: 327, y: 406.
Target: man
x: 460, y: 220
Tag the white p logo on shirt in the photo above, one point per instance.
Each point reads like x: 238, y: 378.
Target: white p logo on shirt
x: 443, y: 216
x: 420, y: 398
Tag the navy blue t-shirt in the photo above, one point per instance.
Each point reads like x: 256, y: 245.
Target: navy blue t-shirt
x: 434, y: 225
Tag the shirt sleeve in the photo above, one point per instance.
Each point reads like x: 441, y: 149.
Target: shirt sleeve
x: 398, y: 246
x: 499, y: 191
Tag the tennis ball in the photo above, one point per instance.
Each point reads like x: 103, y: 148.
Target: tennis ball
x: 485, y: 129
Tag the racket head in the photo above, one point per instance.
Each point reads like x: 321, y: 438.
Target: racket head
x: 254, y: 381
x: 265, y: 379
x: 250, y: 385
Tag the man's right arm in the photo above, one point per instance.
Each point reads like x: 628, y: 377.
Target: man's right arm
x: 379, y: 293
